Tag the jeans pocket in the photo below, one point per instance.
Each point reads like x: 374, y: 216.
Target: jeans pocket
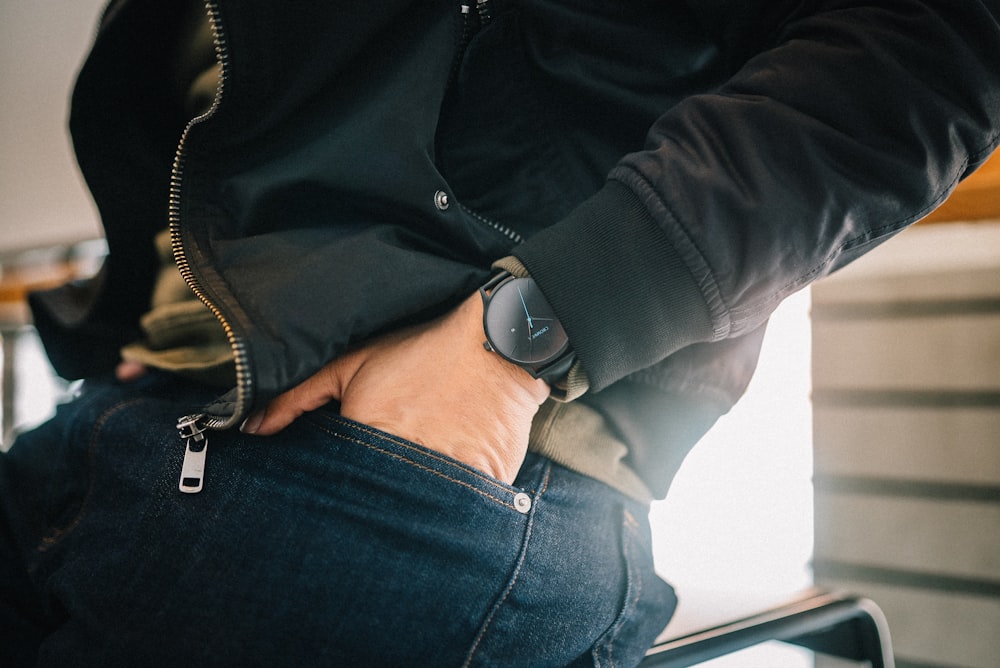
x: 385, y: 452
x: 444, y: 542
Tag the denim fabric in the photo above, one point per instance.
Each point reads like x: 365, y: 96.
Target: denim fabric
x: 331, y: 544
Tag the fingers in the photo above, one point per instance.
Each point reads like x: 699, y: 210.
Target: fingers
x: 311, y: 394
x: 129, y: 371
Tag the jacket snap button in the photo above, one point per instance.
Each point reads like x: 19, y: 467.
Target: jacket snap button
x: 522, y: 503
x: 441, y: 200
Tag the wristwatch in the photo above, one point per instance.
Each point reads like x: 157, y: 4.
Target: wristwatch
x: 522, y: 328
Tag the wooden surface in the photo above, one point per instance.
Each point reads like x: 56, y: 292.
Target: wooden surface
x: 976, y: 198
x: 42, y: 269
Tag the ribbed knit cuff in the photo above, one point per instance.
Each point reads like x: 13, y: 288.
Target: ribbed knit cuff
x: 623, y: 293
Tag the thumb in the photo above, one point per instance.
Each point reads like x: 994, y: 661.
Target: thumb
x: 318, y: 390
x: 129, y: 371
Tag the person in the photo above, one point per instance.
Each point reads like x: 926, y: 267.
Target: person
x: 410, y: 308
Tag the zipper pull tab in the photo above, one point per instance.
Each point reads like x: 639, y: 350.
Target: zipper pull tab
x: 195, y: 449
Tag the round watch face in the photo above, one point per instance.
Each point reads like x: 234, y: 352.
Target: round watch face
x: 521, y: 325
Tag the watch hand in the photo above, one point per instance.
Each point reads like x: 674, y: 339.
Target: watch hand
x: 525, y: 307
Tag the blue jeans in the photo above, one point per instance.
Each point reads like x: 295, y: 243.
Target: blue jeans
x: 331, y: 544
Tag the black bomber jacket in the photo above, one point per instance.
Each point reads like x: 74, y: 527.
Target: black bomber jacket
x: 668, y: 172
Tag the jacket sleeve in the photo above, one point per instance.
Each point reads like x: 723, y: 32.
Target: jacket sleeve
x: 855, y: 120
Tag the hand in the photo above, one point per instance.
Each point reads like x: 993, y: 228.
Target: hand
x: 129, y: 371
x: 433, y: 384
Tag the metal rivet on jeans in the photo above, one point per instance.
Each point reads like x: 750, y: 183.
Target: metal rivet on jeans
x: 441, y: 200
x: 522, y: 503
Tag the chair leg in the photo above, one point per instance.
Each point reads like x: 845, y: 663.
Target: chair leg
x: 837, y: 624
x: 863, y: 635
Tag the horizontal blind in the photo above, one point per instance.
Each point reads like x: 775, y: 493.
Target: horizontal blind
x: 906, y: 392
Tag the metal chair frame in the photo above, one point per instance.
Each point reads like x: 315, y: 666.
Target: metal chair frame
x: 829, y: 622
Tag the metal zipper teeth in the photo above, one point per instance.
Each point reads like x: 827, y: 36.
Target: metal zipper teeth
x: 470, y: 25
x: 499, y: 227
x: 484, y: 10
x: 464, y: 34
x: 243, y: 378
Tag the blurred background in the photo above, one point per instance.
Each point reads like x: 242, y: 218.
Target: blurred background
x: 43, y: 198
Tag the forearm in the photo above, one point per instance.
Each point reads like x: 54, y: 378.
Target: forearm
x: 852, y: 124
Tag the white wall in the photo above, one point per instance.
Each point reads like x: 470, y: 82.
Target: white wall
x: 735, y: 532
x: 738, y: 517
x: 43, y: 200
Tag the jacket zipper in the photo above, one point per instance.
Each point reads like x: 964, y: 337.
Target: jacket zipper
x: 471, y: 24
x: 192, y: 427
x: 192, y: 431
x: 489, y: 222
x: 484, y: 11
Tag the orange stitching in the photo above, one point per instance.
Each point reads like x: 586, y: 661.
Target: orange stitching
x: 56, y: 534
x: 415, y: 464
x: 514, y: 578
x: 545, y: 481
x: 635, y: 573
x: 406, y: 444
